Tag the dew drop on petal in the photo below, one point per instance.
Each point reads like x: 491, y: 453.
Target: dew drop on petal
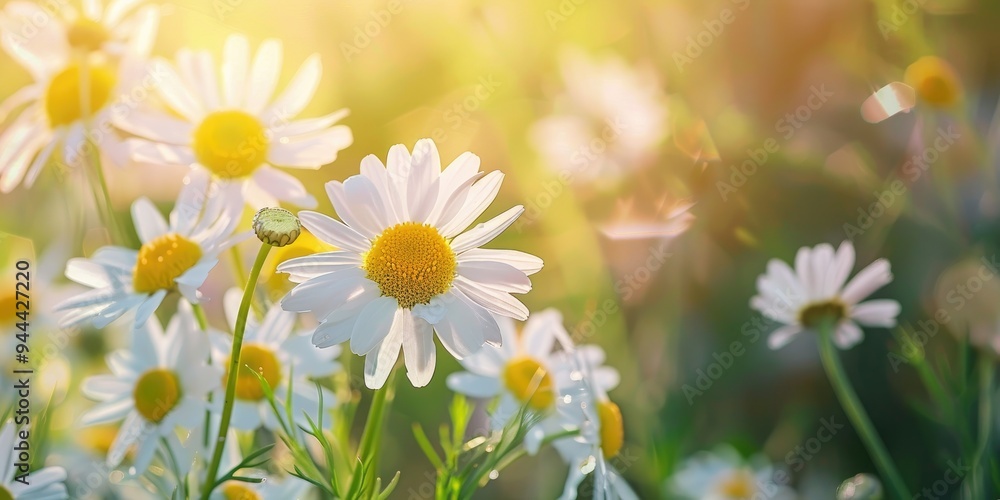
x: 494, y: 474
x: 576, y: 376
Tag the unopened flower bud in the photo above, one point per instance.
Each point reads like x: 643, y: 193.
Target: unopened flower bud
x: 276, y: 226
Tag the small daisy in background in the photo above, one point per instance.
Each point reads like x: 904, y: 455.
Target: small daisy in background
x: 407, y: 267
x: 815, y: 291
x: 722, y: 474
x: 583, y: 406
x: 609, y: 121
x: 42, y: 484
x: 275, y: 351
x: 235, y: 128
x: 930, y: 81
x: 520, y: 370
x: 174, y: 256
x: 160, y: 383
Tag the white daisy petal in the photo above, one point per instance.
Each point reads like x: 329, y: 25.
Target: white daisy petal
x: 263, y: 76
x: 847, y: 335
x: 149, y: 223
x: 283, y: 186
x: 869, y: 279
x: 485, y: 232
x: 381, y: 360
x: 333, y: 231
x: 418, y: 352
x: 476, y: 386
x: 524, y: 262
x: 235, y: 62
x: 782, y: 336
x: 298, y: 93
x: 374, y: 323
x: 881, y: 312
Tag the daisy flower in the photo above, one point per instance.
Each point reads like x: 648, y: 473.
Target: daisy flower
x: 93, y: 47
x: 583, y: 405
x: 524, y: 370
x: 723, y: 475
x: 175, y: 255
x: 273, y: 351
x: 407, y: 267
x: 42, y: 484
x: 157, y: 385
x: 609, y: 121
x: 123, y: 27
x: 233, y: 128
x: 814, y: 292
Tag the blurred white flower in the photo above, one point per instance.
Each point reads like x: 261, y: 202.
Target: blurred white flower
x: 42, y: 484
x: 525, y: 369
x: 236, y: 129
x: 407, y: 266
x: 583, y: 407
x: 161, y: 383
x: 174, y: 256
x: 722, y: 474
x: 816, y: 292
x: 609, y: 121
x: 275, y: 351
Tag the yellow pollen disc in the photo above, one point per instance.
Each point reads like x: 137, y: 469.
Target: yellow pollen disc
x: 87, y: 34
x: 62, y: 97
x: 740, y: 484
x: 260, y: 359
x: 5, y: 494
x: 230, y: 143
x: 934, y: 81
x: 813, y: 315
x: 162, y: 261
x: 156, y: 393
x: 612, y: 428
x: 528, y: 380
x: 411, y: 262
x: 8, y: 310
x: 237, y: 491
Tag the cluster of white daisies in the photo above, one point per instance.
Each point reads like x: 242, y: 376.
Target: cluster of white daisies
x: 407, y: 265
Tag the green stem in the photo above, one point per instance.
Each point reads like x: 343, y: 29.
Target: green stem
x: 985, y: 422
x: 368, y: 452
x: 234, y: 364
x: 104, y: 206
x: 856, y: 413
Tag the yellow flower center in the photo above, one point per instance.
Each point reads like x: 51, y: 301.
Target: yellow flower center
x: 98, y: 438
x: 5, y: 494
x: 739, y: 484
x: 237, y: 491
x: 411, y: 262
x: 813, y: 315
x: 8, y: 310
x: 62, y: 98
x: 230, y: 143
x: 156, y: 393
x: 87, y: 34
x: 612, y: 428
x: 162, y: 261
x: 260, y: 359
x: 529, y: 382
x: 934, y: 81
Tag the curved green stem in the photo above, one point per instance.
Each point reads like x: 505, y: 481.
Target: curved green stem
x: 985, y: 422
x: 234, y: 364
x: 856, y: 413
